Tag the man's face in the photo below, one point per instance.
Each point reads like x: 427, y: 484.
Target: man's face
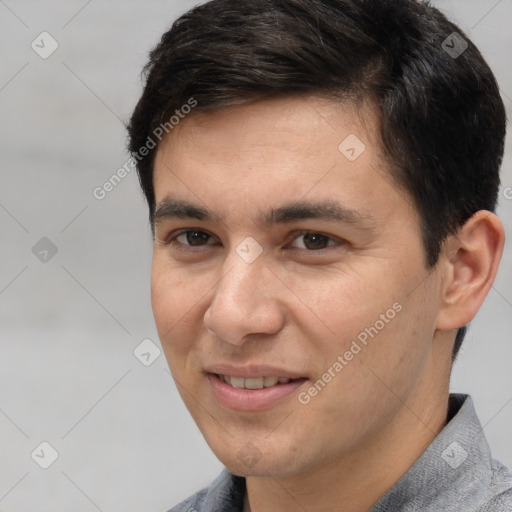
x: 260, y: 289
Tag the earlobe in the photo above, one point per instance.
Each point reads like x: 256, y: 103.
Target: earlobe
x: 471, y: 258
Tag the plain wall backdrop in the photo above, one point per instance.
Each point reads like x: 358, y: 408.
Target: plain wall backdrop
x: 70, y: 321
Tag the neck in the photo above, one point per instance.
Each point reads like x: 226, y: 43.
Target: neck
x: 359, y: 479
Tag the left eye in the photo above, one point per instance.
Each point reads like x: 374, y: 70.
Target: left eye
x: 313, y: 241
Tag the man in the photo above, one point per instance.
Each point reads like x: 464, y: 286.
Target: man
x: 321, y: 177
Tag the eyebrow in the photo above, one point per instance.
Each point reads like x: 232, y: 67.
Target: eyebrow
x: 328, y: 210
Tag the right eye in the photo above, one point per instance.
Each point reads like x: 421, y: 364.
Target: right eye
x: 190, y: 238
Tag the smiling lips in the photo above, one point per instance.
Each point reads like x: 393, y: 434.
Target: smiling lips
x: 251, y: 400
x: 252, y: 389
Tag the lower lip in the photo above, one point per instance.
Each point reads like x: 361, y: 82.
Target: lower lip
x: 251, y: 400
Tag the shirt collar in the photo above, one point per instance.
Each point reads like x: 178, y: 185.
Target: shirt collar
x: 225, y: 494
x: 456, y: 464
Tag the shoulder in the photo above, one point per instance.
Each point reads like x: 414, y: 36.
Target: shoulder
x: 499, y: 497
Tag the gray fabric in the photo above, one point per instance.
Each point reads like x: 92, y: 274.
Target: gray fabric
x: 456, y: 473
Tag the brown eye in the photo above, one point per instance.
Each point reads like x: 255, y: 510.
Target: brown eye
x: 193, y: 237
x: 314, y: 241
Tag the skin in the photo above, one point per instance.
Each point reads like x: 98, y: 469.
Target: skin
x: 300, y: 307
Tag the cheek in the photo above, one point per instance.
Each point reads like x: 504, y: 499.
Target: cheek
x: 365, y: 316
x: 174, y: 299
x: 344, y: 303
x: 172, y: 304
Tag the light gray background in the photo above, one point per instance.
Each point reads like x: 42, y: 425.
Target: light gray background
x: 68, y: 327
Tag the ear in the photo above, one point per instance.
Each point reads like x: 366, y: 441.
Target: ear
x: 470, y: 258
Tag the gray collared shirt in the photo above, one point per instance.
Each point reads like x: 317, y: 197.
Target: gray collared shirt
x: 456, y: 473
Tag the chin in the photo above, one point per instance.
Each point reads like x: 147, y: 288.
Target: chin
x: 249, y: 461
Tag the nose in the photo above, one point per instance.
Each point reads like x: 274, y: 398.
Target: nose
x: 245, y: 302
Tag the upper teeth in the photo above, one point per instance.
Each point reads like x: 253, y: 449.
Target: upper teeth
x: 253, y: 383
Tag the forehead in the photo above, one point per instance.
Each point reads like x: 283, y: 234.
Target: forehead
x: 288, y: 148
x: 298, y: 119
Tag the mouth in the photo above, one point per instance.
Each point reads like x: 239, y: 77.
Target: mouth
x: 252, y: 394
